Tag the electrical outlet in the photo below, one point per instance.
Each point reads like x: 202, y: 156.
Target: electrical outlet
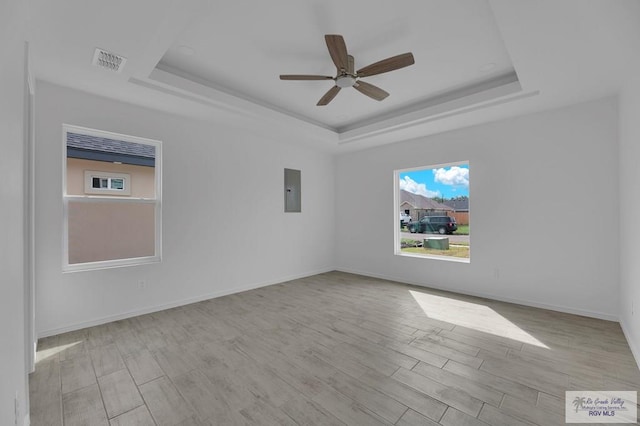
x: 496, y: 273
x: 142, y: 284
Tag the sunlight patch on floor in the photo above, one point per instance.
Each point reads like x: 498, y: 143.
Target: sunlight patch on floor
x: 48, y: 353
x: 472, y: 315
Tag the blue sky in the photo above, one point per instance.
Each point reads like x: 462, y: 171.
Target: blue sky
x: 444, y: 182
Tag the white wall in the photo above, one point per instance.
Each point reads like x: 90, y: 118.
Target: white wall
x: 629, y: 214
x: 223, y: 221
x: 13, y: 285
x: 544, y: 208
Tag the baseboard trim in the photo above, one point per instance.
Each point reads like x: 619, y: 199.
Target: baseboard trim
x: 150, y: 309
x: 633, y: 345
x: 558, y: 308
x: 182, y: 302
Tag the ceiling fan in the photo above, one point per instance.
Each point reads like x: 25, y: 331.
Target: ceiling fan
x: 347, y: 77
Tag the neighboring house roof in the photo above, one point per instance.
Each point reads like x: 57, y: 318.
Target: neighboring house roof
x: 110, y: 150
x: 421, y: 202
x: 458, y: 204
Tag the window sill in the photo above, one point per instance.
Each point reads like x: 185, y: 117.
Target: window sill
x: 110, y: 264
x: 434, y: 257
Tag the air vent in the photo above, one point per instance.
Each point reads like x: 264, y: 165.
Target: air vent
x: 108, y: 60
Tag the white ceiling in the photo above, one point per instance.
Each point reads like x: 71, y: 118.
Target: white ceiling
x: 451, y: 41
x: 547, y: 53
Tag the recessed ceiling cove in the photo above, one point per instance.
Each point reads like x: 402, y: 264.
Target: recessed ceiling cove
x: 242, y: 50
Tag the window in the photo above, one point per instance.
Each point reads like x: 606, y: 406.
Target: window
x: 431, y: 212
x: 112, y: 199
x: 105, y: 183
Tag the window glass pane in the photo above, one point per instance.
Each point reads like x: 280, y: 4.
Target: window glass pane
x: 110, y: 230
x: 117, y: 183
x: 116, y: 226
x: 436, y: 199
x: 110, y: 159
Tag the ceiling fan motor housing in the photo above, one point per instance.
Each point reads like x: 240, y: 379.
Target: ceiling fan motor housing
x: 345, y: 81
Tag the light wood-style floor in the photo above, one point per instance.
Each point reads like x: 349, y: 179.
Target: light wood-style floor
x: 331, y: 349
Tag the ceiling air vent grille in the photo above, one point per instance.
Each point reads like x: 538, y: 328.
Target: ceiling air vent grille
x: 108, y: 60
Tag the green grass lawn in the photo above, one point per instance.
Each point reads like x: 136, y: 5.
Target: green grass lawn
x: 454, y: 251
x: 462, y: 230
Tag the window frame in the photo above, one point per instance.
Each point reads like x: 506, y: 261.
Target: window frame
x: 397, y: 249
x: 107, y: 196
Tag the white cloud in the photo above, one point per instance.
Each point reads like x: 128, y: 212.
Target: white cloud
x: 414, y: 187
x: 457, y: 176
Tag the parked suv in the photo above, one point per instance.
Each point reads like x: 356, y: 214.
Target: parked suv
x: 440, y: 224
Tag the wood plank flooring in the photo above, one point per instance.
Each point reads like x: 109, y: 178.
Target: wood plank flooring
x: 332, y: 349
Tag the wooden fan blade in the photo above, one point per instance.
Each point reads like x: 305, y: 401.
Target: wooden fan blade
x: 350, y: 64
x: 337, y: 50
x: 370, y: 90
x: 304, y: 77
x: 386, y: 65
x: 328, y: 97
